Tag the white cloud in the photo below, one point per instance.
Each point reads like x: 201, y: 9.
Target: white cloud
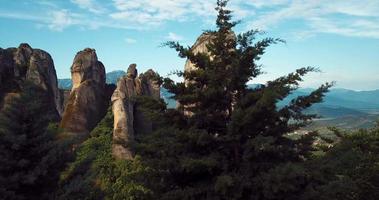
x: 353, y: 27
x: 174, y: 37
x: 266, y: 3
x: 130, y: 40
x: 348, y: 18
x: 90, y: 5
x: 354, y: 18
x: 60, y: 20
x: 152, y: 13
x: 367, y: 8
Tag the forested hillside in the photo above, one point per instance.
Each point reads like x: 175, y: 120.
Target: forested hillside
x: 131, y: 135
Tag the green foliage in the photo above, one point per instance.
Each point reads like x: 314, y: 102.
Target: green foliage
x: 234, y: 143
x: 30, y: 156
x: 96, y: 175
x: 150, y: 108
x: 352, y: 165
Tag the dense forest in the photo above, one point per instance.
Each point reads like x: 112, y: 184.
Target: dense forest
x: 224, y: 140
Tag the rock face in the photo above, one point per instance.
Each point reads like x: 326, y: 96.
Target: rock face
x: 87, y: 67
x: 200, y: 46
x: 87, y: 103
x: 127, y: 120
x: 24, y: 63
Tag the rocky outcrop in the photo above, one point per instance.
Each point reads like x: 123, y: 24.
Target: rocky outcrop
x: 18, y: 65
x: 127, y: 120
x: 87, y: 67
x: 87, y: 102
x: 200, y: 46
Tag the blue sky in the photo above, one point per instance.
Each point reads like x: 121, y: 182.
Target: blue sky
x: 341, y: 37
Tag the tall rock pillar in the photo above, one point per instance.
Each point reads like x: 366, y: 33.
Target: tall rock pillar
x: 87, y: 103
x: 127, y: 120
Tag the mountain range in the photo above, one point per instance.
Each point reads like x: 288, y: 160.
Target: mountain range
x: 357, y: 109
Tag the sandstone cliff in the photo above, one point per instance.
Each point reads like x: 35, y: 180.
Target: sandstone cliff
x: 127, y: 120
x: 24, y: 63
x: 88, y: 99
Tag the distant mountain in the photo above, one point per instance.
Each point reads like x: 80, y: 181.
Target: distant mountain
x: 337, y: 103
x: 65, y: 84
x: 343, y: 108
x: 166, y: 96
x: 111, y: 78
x: 328, y: 112
x: 340, y: 106
x: 363, y: 101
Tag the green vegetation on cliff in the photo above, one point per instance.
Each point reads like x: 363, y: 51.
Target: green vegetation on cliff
x: 94, y: 174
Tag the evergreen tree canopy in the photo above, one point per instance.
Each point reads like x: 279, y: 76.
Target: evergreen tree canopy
x: 234, y: 144
x: 29, y: 156
x: 350, y: 167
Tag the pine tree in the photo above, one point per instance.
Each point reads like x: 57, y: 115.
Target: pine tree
x: 221, y: 75
x: 29, y: 156
x: 235, y: 143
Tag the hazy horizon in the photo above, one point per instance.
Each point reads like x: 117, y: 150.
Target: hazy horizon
x: 341, y: 37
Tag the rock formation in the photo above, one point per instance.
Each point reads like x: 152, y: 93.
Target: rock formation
x: 87, y: 103
x: 200, y: 46
x: 127, y: 120
x: 24, y: 63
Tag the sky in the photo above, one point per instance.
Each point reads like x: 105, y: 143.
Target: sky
x: 341, y: 37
